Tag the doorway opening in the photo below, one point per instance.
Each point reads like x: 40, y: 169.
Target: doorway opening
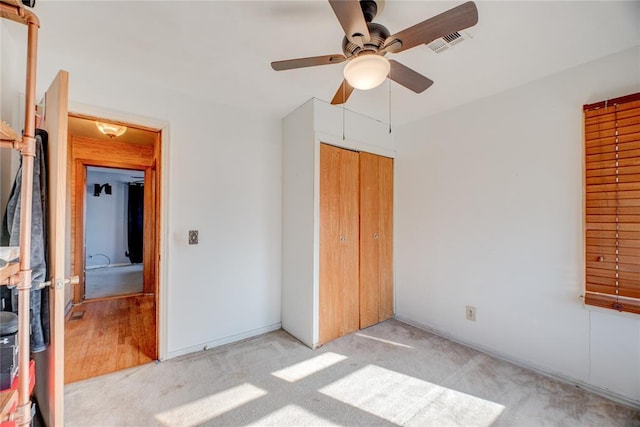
x: 115, y: 231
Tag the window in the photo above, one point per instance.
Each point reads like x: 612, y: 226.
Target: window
x: 612, y: 203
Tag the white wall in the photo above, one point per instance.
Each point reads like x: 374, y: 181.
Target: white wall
x: 297, y: 224
x: 489, y: 213
x: 106, y: 219
x: 10, y: 77
x: 223, y: 167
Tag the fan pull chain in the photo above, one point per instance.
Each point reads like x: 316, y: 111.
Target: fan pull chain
x: 389, y: 101
x: 343, y: 110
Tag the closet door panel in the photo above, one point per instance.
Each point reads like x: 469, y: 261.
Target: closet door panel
x: 376, y: 239
x: 385, y: 242
x: 369, y: 248
x: 339, y: 242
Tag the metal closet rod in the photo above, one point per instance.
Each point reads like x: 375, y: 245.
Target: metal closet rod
x: 13, y: 10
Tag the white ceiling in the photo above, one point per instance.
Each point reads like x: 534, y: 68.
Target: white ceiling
x: 221, y: 50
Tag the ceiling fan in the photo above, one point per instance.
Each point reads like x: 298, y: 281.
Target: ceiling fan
x: 366, y: 43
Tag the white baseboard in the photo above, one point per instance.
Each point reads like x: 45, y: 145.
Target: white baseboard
x: 225, y: 340
x: 527, y: 365
x: 95, y: 267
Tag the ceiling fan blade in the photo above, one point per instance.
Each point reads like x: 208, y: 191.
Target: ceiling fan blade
x: 342, y: 94
x: 312, y: 61
x: 408, y: 78
x: 456, y: 19
x: 350, y: 15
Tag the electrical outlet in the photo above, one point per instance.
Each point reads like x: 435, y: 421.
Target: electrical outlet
x: 471, y: 313
x: 193, y: 237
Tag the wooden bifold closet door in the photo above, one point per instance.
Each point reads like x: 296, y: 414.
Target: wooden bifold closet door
x: 339, y: 242
x: 356, y: 241
x: 376, y: 239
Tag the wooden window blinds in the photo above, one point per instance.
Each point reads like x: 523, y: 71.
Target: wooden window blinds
x: 612, y: 203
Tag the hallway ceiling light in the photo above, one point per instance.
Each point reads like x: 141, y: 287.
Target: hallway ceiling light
x: 367, y: 71
x: 111, y: 130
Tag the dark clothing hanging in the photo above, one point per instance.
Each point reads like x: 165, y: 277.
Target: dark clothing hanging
x: 10, y: 236
x: 135, y: 222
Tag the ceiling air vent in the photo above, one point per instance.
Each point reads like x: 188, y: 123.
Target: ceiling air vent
x: 448, y: 41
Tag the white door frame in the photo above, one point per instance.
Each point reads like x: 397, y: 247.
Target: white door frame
x: 163, y: 126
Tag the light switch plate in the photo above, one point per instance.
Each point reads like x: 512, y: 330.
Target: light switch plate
x: 193, y: 237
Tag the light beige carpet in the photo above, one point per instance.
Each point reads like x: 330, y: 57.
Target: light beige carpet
x: 389, y: 374
x: 113, y: 281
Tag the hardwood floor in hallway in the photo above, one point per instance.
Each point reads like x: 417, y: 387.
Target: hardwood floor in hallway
x: 113, y: 334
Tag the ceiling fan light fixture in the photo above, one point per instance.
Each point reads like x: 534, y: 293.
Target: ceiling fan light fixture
x: 111, y: 130
x: 367, y: 71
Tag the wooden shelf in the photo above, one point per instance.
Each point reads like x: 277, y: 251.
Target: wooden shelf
x: 8, y: 402
x: 9, y: 137
x: 9, y: 397
x: 10, y: 255
x: 7, y: 271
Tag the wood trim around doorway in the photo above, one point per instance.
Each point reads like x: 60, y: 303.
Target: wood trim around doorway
x: 123, y: 155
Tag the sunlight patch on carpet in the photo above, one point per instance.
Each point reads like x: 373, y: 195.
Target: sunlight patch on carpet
x: 455, y: 408
x: 400, y: 398
x: 202, y: 410
x: 361, y: 335
x: 308, y: 367
x: 292, y: 415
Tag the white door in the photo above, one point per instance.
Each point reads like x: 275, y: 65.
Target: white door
x: 50, y: 363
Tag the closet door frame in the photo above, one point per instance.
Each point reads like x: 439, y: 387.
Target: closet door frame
x: 330, y: 139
